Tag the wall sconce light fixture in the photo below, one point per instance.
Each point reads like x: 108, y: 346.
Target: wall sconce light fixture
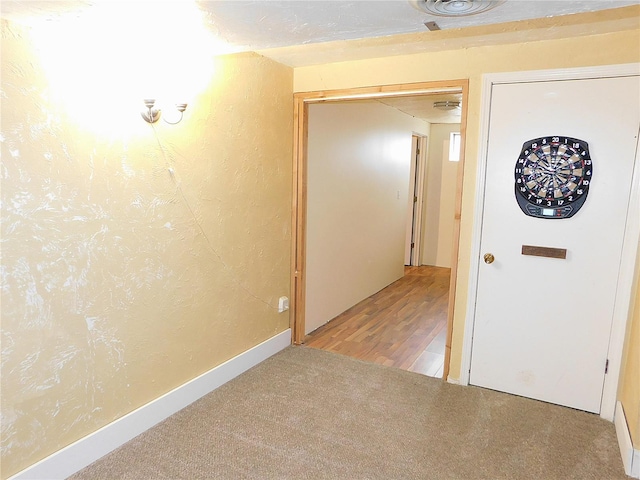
x: 152, y: 114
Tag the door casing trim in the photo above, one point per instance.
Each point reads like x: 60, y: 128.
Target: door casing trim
x: 631, y: 234
x: 302, y: 100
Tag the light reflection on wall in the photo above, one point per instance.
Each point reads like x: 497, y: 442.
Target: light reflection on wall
x: 100, y: 64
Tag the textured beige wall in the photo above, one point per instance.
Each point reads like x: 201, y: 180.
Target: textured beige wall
x: 629, y: 392
x: 132, y: 264
x: 472, y: 63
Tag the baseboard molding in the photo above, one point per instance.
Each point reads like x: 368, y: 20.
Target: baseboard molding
x: 630, y: 456
x: 454, y: 381
x: 87, y: 450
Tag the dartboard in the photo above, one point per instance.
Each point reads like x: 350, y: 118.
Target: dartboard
x: 552, y: 176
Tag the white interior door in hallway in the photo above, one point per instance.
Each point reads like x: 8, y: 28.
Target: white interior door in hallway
x: 542, y: 324
x: 414, y: 211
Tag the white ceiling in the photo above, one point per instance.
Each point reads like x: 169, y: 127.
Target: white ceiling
x: 274, y: 27
x: 264, y: 24
x: 422, y: 107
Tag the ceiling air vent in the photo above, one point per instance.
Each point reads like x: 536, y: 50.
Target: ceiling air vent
x: 455, y: 8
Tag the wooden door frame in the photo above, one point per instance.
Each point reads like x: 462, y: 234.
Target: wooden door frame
x: 631, y: 235
x: 302, y: 101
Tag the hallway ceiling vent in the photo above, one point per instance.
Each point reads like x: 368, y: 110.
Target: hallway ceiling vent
x: 446, y: 105
x: 455, y: 8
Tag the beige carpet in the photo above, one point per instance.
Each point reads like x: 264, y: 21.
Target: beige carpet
x: 310, y: 414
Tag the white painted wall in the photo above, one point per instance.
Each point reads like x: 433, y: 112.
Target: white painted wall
x: 440, y: 197
x: 359, y: 157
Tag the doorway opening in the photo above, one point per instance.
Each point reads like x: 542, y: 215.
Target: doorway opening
x: 302, y: 103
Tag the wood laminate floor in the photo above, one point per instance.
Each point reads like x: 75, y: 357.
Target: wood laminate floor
x: 403, y: 325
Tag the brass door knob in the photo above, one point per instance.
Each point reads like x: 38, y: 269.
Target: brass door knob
x: 489, y: 258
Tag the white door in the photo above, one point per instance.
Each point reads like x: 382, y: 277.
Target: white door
x: 410, y: 234
x: 542, y: 325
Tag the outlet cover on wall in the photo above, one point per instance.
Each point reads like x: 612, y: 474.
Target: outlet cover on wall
x: 283, y: 304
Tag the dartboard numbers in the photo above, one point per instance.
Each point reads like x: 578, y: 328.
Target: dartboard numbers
x: 552, y: 176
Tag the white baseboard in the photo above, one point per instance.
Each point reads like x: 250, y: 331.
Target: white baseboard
x: 630, y: 456
x: 87, y: 450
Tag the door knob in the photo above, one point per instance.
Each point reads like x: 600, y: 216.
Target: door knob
x: 489, y: 258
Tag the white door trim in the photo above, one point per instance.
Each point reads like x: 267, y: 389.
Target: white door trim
x: 631, y: 234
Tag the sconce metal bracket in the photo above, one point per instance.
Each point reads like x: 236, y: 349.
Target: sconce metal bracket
x: 151, y: 114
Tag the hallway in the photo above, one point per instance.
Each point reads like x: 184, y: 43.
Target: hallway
x: 402, y: 325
